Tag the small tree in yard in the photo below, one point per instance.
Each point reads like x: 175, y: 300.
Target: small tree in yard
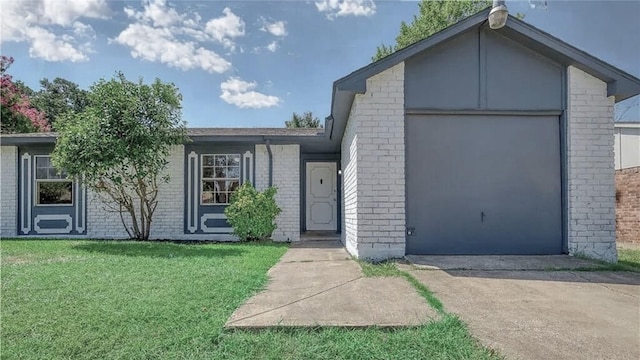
x: 252, y: 213
x: 118, y: 146
x: 306, y: 120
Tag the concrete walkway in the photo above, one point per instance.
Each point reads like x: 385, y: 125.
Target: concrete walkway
x: 317, y: 284
x: 527, y: 314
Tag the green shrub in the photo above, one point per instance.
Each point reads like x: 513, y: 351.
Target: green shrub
x: 252, y: 213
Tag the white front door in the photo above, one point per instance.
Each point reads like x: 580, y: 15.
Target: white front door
x: 321, y: 196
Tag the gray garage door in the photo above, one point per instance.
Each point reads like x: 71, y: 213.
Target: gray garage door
x: 483, y: 184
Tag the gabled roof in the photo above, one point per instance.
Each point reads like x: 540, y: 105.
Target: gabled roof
x: 619, y: 83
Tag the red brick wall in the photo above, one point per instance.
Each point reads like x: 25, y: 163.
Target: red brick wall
x: 628, y: 204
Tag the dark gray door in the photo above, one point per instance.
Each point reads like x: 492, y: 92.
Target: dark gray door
x: 483, y: 184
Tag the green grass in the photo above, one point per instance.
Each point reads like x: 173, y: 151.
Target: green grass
x: 134, y: 300
x: 628, y: 260
x: 389, y: 268
x: 386, y: 268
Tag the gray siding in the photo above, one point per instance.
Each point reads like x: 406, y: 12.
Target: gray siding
x: 209, y: 219
x: 482, y: 70
x: 50, y: 219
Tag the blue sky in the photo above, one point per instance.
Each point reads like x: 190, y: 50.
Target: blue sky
x: 253, y: 63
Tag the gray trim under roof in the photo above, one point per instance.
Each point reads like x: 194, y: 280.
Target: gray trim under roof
x: 246, y: 135
x: 620, y: 84
x: 195, y: 132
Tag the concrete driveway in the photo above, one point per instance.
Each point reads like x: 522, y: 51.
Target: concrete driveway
x: 528, y: 314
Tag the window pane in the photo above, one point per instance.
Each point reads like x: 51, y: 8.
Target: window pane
x: 53, y: 174
x: 43, y: 162
x: 225, y: 169
x: 234, y: 160
x: 41, y: 173
x: 207, y: 172
x: 233, y: 185
x: 207, y: 186
x: 233, y: 172
x: 207, y: 197
x: 221, y: 186
x: 52, y: 193
x: 221, y: 198
x: 221, y: 160
x: 207, y: 160
x: 221, y: 172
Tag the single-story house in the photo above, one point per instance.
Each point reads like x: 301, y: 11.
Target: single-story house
x: 472, y: 141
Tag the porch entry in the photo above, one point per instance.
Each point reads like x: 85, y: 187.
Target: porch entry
x: 321, y: 196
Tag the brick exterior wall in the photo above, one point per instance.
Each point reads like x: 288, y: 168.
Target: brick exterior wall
x: 349, y: 166
x: 591, y: 183
x: 286, y: 177
x: 9, y: 191
x: 168, y: 219
x: 628, y: 205
x: 373, y: 169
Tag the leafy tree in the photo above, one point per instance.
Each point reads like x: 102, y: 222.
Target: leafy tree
x: 307, y: 120
x: 118, y: 145
x: 17, y: 114
x: 59, y: 97
x: 434, y: 16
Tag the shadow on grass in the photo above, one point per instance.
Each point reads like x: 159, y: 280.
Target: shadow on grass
x: 630, y: 265
x: 157, y: 250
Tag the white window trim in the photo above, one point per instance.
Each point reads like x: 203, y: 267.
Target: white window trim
x: 37, y: 182
x: 202, y: 178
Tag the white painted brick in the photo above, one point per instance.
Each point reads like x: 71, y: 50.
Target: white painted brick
x: 373, y: 169
x: 591, y: 179
x: 9, y: 191
x: 286, y: 177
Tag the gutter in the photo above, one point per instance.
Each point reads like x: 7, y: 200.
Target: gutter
x: 328, y: 127
x: 268, y: 144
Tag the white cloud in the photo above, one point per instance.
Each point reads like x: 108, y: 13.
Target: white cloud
x: 47, y: 46
x: 34, y: 22
x: 273, y: 46
x: 155, y: 12
x: 336, y: 8
x: 241, y: 94
x: 278, y: 28
x: 65, y: 12
x: 162, y: 34
x: 159, y: 45
x: 226, y: 28
x: 83, y: 30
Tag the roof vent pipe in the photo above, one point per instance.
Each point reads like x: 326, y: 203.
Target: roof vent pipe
x: 498, y: 15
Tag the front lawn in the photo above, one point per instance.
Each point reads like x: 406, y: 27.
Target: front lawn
x: 134, y: 300
x: 629, y: 258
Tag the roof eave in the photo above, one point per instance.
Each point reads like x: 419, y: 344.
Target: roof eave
x: 258, y: 139
x: 26, y: 140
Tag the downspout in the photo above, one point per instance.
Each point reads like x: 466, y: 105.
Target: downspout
x: 268, y: 144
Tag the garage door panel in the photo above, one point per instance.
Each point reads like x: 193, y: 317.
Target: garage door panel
x: 483, y: 185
